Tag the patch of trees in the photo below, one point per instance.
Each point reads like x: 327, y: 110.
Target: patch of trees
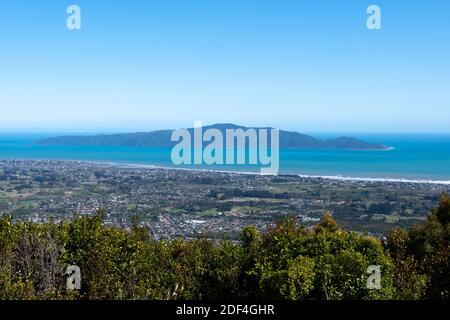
x: 287, y: 261
x: 381, y: 208
x: 21, y: 187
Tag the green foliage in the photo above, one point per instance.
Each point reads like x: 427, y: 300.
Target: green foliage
x: 422, y: 256
x: 322, y: 264
x: 409, y: 284
x: 285, y: 262
x: 443, y: 211
x: 327, y: 224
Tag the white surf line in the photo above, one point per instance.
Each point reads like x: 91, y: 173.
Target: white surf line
x: 326, y: 177
x: 369, y: 179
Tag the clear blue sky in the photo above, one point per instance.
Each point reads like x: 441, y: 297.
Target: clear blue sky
x: 304, y: 65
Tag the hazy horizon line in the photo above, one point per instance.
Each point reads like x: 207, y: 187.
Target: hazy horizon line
x: 168, y: 127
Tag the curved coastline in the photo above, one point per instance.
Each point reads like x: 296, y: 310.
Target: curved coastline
x: 325, y: 177
x: 305, y: 176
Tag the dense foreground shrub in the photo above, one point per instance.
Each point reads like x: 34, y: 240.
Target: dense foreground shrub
x: 285, y: 262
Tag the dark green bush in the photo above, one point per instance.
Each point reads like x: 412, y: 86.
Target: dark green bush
x: 285, y: 262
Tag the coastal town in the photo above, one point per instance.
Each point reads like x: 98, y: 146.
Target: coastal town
x: 177, y: 203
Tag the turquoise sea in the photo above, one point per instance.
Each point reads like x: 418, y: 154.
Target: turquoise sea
x: 414, y: 157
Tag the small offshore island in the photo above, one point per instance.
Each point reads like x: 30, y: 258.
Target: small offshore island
x: 193, y: 203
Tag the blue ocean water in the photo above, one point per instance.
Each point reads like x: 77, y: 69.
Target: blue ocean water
x: 415, y: 156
